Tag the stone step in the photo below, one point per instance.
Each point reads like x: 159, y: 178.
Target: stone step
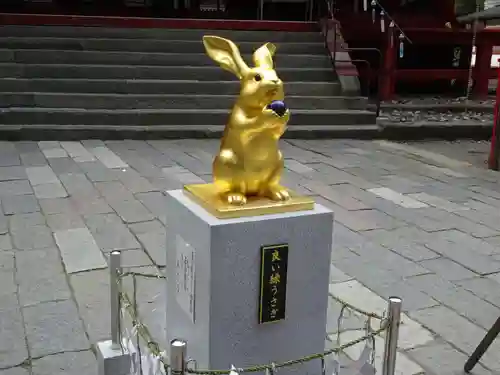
x: 172, y: 34
x: 40, y: 132
x: 136, y: 86
x: 147, y: 45
x: 187, y: 117
x: 196, y: 73
x: 41, y: 56
x: 129, y: 101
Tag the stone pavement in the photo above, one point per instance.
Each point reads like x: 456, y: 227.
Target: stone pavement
x: 409, y: 222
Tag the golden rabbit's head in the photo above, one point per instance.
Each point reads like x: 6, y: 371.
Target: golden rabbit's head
x: 260, y: 85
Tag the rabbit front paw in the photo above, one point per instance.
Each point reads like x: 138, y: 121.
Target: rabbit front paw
x: 236, y: 199
x: 278, y: 193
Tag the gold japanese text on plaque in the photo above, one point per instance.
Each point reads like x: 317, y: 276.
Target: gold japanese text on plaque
x: 248, y: 166
x: 273, y: 275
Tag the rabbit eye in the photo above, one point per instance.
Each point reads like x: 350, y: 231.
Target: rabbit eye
x: 258, y: 78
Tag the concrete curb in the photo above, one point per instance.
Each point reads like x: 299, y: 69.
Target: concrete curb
x: 365, y: 132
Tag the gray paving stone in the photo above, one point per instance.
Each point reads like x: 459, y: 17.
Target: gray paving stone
x: 13, y: 350
x: 5, y: 242
x: 20, y: 204
x: 441, y: 358
x: 92, y: 295
x: 444, y: 322
x: 131, y: 211
x: 383, y: 258
x: 7, y: 261
x: 79, y: 250
x: 155, y: 245
x: 108, y: 157
x: 483, y: 287
x: 56, y: 205
x: 465, y: 256
x: 134, y: 182
x: 166, y: 183
x: 110, y: 233
x: 54, y: 327
x: 15, y: 371
x: 87, y: 143
x: 448, y: 269
x: 58, y: 222
x: 343, y: 200
x: 47, y: 191
x: 89, y: 205
x: 12, y: 173
x: 465, y: 303
x: 64, y: 165
x: 78, y: 185
x: 41, y: 175
x: 97, y: 172
x: 34, y: 237
x: 9, y: 286
x: 48, y: 283
x: 20, y: 222
x: 9, y: 158
x: 337, y: 276
x: 54, y: 153
x: 44, y: 145
x: 146, y: 226
x: 26, y: 146
x: 297, y: 166
x: 384, y: 283
x: 76, y: 151
x: 19, y: 187
x: 405, y: 247
x: 79, y: 363
x: 154, y: 202
x: 114, y: 190
x: 33, y: 159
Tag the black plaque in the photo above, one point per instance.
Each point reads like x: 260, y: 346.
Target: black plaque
x: 273, y: 272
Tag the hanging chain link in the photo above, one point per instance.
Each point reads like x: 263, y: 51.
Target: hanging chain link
x: 474, y: 50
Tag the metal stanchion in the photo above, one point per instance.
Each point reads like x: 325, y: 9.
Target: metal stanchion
x: 115, y: 282
x: 112, y: 358
x: 178, y: 355
x: 483, y: 346
x: 391, y: 336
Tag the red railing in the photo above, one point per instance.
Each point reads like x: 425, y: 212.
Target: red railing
x: 486, y: 39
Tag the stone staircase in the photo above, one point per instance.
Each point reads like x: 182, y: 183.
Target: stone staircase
x: 70, y: 82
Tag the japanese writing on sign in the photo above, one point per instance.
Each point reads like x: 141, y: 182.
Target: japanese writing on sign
x: 273, y: 273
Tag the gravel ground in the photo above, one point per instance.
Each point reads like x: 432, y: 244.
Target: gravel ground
x: 436, y: 110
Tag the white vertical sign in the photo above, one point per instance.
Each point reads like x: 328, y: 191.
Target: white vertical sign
x: 185, y: 276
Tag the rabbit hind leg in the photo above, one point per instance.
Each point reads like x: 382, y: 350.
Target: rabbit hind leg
x: 230, y: 186
x: 271, y: 188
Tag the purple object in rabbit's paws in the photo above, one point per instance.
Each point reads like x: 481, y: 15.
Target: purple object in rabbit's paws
x: 278, y: 107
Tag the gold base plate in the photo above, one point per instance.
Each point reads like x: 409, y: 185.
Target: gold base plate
x: 206, y: 196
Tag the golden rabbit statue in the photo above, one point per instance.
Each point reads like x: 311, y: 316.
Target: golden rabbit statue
x: 249, y: 164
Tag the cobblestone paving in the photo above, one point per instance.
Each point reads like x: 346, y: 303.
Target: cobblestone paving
x: 409, y: 222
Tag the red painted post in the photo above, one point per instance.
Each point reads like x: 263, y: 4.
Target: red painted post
x: 493, y: 159
x: 388, y: 69
x: 482, y: 68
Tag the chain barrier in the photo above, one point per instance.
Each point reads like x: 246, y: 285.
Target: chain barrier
x: 139, y: 330
x: 474, y: 50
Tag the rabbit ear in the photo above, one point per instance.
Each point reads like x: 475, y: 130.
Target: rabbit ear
x: 226, y: 53
x: 263, y: 57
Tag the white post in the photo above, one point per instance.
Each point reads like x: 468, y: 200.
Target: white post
x: 178, y: 355
x: 391, y: 336
x: 112, y: 358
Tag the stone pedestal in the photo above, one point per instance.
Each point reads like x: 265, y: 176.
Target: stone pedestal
x: 214, y: 283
